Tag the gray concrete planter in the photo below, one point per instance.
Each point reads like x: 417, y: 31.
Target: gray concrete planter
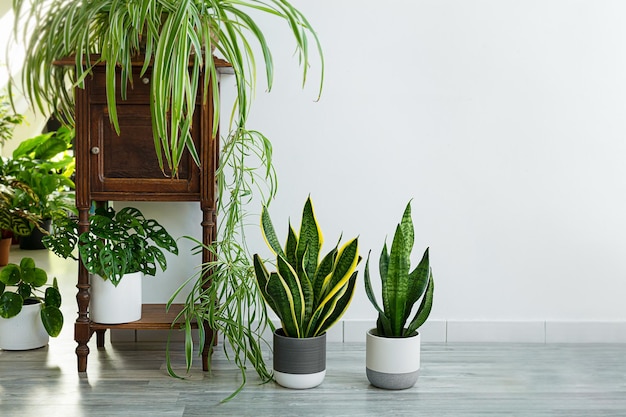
x: 392, y: 362
x: 299, y: 363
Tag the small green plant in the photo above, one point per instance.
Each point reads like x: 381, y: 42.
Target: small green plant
x: 117, y: 243
x: 401, y: 288
x: 8, y: 119
x: 307, y: 294
x: 29, y: 282
x: 46, y: 166
x: 14, y: 220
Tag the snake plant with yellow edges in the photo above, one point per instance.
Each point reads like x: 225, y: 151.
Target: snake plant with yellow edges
x: 309, y: 295
x: 401, y: 289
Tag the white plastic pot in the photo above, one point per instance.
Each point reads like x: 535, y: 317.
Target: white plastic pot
x: 392, y: 362
x: 115, y: 305
x: 24, y: 331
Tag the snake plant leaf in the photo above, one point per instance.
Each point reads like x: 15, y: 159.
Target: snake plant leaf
x: 262, y: 279
x: 418, y: 282
x: 347, y: 260
x: 323, y: 273
x: 368, y: 286
x: 383, y: 264
x: 396, y: 286
x: 52, y: 319
x: 401, y: 289
x: 295, y: 286
x: 307, y: 297
x: 332, y: 308
x: 281, y: 294
x: 310, y: 240
x: 270, y: 234
x: 10, y: 304
x: 291, y: 246
x: 424, y: 309
x: 406, y: 224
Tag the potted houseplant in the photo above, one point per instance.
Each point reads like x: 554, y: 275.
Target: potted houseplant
x: 393, y: 347
x: 309, y: 294
x: 8, y: 119
x: 173, y: 36
x: 117, y: 250
x: 118, y: 34
x: 14, y: 221
x: 30, y: 314
x: 46, y: 166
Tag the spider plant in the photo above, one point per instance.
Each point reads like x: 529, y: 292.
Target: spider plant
x: 8, y: 119
x: 174, y: 35
x: 232, y: 305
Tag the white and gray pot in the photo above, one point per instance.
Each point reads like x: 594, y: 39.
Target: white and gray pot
x: 299, y: 363
x: 392, y: 362
x: 115, y: 305
x: 24, y: 331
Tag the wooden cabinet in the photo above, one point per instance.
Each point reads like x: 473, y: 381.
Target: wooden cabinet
x: 125, y: 168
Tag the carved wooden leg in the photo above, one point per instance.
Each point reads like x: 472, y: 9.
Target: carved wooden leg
x: 82, y: 332
x: 100, y: 337
x: 81, y: 335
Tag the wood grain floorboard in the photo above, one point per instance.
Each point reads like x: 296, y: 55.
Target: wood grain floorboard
x: 129, y: 379
x: 456, y: 380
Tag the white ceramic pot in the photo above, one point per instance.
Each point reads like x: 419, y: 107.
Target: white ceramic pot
x: 392, y: 362
x: 115, y: 305
x: 24, y: 331
x: 299, y: 363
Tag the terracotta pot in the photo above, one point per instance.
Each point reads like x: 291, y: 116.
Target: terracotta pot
x: 5, y: 249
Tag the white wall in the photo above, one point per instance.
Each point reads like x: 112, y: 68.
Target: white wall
x: 503, y: 120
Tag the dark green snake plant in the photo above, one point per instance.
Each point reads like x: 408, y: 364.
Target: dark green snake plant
x: 401, y: 288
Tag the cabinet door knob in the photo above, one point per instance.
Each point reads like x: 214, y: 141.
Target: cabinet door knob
x: 145, y: 80
x: 95, y: 150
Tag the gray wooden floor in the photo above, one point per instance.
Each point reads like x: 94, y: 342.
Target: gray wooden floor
x: 457, y: 380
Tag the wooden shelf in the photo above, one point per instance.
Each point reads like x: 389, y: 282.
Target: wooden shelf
x: 153, y: 317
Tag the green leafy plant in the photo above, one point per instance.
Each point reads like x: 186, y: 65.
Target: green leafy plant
x: 29, y: 282
x: 8, y: 119
x: 308, y: 294
x: 174, y: 35
x: 14, y: 220
x: 45, y: 164
x: 223, y: 295
x: 401, y: 288
x: 117, y: 243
